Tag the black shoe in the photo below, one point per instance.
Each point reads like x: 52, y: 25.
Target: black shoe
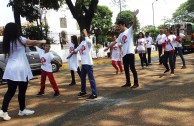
x: 40, y: 94
x: 135, y: 86
x: 56, y: 94
x: 166, y: 71
x: 126, y: 85
x: 71, y: 84
x: 91, y: 97
x: 82, y: 94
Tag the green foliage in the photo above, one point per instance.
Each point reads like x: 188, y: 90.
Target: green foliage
x: 101, y: 23
x: 128, y: 16
x: 34, y: 33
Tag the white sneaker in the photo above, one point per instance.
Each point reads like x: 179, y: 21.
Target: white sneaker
x: 25, y: 112
x: 4, y: 115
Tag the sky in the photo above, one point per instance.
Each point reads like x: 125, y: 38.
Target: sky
x: 162, y: 9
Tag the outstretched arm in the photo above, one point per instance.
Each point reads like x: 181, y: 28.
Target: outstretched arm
x: 134, y: 18
x: 34, y: 42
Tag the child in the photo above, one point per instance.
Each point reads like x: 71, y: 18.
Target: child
x: 86, y: 59
x: 46, y: 57
x: 73, y: 61
x: 141, y: 44
x: 116, y: 54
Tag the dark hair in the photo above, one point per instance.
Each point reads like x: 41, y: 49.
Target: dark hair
x: 74, y: 40
x: 122, y: 22
x: 142, y: 35
x: 11, y: 35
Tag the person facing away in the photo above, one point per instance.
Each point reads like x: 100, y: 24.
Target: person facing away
x: 168, y: 51
x: 85, y: 48
x: 17, y: 71
x: 116, y: 54
x: 73, y: 60
x: 126, y: 40
x: 149, y: 42
x: 46, y: 69
x: 159, y: 43
x: 141, y: 44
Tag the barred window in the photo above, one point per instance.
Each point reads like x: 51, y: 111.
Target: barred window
x: 63, y: 22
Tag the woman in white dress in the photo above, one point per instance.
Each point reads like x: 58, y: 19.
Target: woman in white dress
x: 17, y: 71
x: 73, y: 61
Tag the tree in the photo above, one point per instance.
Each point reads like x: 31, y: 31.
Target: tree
x: 182, y: 14
x: 83, y: 11
x: 128, y: 16
x: 101, y: 23
x: 26, y: 8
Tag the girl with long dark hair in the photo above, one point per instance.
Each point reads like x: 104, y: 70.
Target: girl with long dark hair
x: 17, y: 71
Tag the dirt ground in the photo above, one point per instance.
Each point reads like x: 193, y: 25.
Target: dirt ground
x: 71, y: 111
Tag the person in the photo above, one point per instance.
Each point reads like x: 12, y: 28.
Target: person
x: 73, y: 61
x: 126, y: 39
x: 141, y: 47
x: 17, y: 71
x: 85, y: 48
x: 180, y: 39
x: 168, y: 51
x: 159, y: 44
x: 149, y: 42
x: 116, y: 54
x: 46, y: 69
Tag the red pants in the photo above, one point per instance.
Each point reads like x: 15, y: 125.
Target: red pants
x: 51, y: 79
x: 119, y: 64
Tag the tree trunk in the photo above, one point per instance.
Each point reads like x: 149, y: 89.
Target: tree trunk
x: 17, y: 18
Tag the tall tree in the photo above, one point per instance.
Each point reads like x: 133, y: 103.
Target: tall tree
x: 83, y: 11
x: 102, y: 22
x: 25, y: 8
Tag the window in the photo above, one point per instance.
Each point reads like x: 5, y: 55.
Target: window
x: 63, y: 22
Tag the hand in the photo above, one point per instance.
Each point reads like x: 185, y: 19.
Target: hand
x: 162, y: 54
x: 68, y: 57
x: 135, y: 12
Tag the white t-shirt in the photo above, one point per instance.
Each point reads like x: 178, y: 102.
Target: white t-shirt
x: 159, y: 38
x: 126, y: 39
x: 17, y: 67
x: 141, y: 44
x: 182, y: 36
x: 85, y: 49
x: 73, y: 60
x: 167, y: 41
x: 174, y: 43
x: 116, y: 52
x: 149, y: 42
x: 45, y: 59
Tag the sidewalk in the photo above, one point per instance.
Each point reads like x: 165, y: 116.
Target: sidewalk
x: 160, y: 99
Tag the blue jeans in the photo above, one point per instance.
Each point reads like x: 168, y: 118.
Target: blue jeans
x: 87, y: 69
x: 180, y: 52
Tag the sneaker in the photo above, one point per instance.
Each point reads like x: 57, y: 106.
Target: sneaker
x: 56, y: 94
x: 25, y: 112
x: 71, y: 84
x: 183, y: 67
x: 126, y: 85
x: 4, y: 115
x: 135, y: 86
x: 40, y: 94
x: 91, y: 97
x: 167, y: 70
x: 82, y: 94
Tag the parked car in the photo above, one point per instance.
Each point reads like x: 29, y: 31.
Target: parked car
x: 33, y: 58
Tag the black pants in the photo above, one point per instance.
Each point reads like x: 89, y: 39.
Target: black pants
x: 143, y: 59
x: 12, y: 86
x: 159, y: 53
x: 129, y: 61
x: 149, y: 54
x: 73, y: 75
x: 169, y: 56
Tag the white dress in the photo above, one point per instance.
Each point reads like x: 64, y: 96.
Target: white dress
x: 17, y: 67
x: 73, y: 60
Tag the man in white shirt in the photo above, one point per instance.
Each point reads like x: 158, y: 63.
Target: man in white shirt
x: 126, y: 40
x: 149, y: 42
x: 159, y: 43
